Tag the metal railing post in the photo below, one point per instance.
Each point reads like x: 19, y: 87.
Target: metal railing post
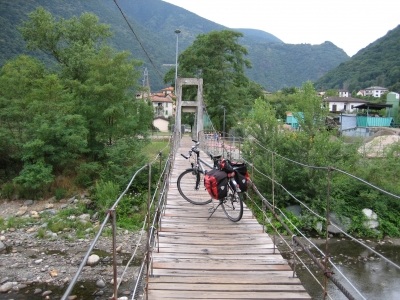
x: 273, y: 192
x: 148, y: 232
x: 327, y: 233
x: 114, y: 248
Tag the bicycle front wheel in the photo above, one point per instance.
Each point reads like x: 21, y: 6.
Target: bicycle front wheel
x: 232, y: 206
x: 191, y: 187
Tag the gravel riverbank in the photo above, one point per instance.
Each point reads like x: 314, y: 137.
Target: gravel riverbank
x: 40, y: 266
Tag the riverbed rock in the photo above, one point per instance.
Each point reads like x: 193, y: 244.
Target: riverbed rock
x: 6, y: 287
x: 84, y: 218
x: 100, y: 283
x: 21, y: 211
x: 53, y: 273
x: 93, y: 260
x: 46, y: 293
x: 2, y: 246
x: 28, y: 202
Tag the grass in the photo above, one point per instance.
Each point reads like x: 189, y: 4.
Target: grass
x: 15, y: 222
x: 154, y: 148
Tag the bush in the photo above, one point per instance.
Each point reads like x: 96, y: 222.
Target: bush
x: 60, y: 193
x: 7, y: 190
x: 105, y: 194
x: 83, y: 180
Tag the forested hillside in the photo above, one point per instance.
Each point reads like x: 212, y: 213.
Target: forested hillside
x: 275, y: 64
x: 378, y: 64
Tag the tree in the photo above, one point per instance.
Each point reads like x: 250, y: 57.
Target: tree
x: 218, y: 58
x: 314, y: 113
x: 80, y: 115
x: 107, y: 100
x: 102, y: 82
x: 69, y: 42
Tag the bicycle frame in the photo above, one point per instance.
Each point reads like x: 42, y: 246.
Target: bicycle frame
x: 199, y: 162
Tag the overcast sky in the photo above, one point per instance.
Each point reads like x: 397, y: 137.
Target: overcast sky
x: 350, y: 24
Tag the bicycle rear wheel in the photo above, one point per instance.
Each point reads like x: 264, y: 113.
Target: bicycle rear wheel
x: 191, y: 187
x: 232, y: 206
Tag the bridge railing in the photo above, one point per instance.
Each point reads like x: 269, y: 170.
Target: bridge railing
x: 267, y: 210
x: 155, y: 204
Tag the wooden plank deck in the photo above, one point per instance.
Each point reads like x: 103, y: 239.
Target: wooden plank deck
x: 198, y: 258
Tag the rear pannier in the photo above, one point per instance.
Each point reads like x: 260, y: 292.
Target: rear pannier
x: 216, y: 183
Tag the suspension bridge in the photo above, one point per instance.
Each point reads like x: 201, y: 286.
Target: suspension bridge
x: 190, y: 256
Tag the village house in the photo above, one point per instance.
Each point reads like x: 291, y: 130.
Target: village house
x: 343, y: 93
x: 162, y: 104
x: 344, y: 104
x: 375, y: 91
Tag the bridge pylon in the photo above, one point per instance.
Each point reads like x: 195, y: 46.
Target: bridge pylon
x: 190, y: 106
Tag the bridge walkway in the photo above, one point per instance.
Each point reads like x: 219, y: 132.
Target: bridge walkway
x: 198, y: 258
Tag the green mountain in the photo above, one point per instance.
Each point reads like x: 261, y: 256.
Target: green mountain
x: 275, y: 64
x: 376, y: 65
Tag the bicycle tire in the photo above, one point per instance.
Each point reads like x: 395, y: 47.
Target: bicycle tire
x: 232, y: 205
x: 187, y: 187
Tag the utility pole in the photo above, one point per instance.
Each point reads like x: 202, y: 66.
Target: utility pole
x: 177, y: 31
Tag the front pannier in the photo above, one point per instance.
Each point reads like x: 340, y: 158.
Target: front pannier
x: 216, y: 183
x: 242, y: 176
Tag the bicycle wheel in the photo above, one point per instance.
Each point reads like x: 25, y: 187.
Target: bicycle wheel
x: 233, y: 206
x: 191, y: 187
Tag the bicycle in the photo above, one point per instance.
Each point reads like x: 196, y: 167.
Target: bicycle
x: 190, y: 186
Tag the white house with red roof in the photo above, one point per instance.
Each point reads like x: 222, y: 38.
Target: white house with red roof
x: 163, y: 105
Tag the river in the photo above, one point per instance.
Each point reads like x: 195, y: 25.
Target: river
x: 371, y: 275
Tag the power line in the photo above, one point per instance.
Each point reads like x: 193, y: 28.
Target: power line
x: 141, y: 45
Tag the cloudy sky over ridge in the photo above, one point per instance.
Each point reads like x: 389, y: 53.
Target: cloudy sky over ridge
x: 350, y: 24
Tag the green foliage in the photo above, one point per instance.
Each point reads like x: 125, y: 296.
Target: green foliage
x: 60, y: 193
x: 35, y: 176
x: 83, y: 118
x: 7, y: 190
x: 15, y: 222
x: 105, y: 194
x: 314, y: 145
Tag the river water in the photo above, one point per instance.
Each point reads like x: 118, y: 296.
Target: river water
x: 371, y: 275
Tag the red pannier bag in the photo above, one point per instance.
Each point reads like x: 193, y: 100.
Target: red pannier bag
x: 241, y: 175
x: 216, y: 183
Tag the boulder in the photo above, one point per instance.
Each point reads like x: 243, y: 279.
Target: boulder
x: 342, y: 222
x: 295, y: 209
x: 372, y: 218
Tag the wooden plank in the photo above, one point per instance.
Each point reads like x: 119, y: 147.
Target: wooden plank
x: 213, y: 250
x: 206, y: 295
x: 263, y: 257
x: 233, y: 279
x: 228, y: 287
x: 223, y: 266
x: 225, y: 276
